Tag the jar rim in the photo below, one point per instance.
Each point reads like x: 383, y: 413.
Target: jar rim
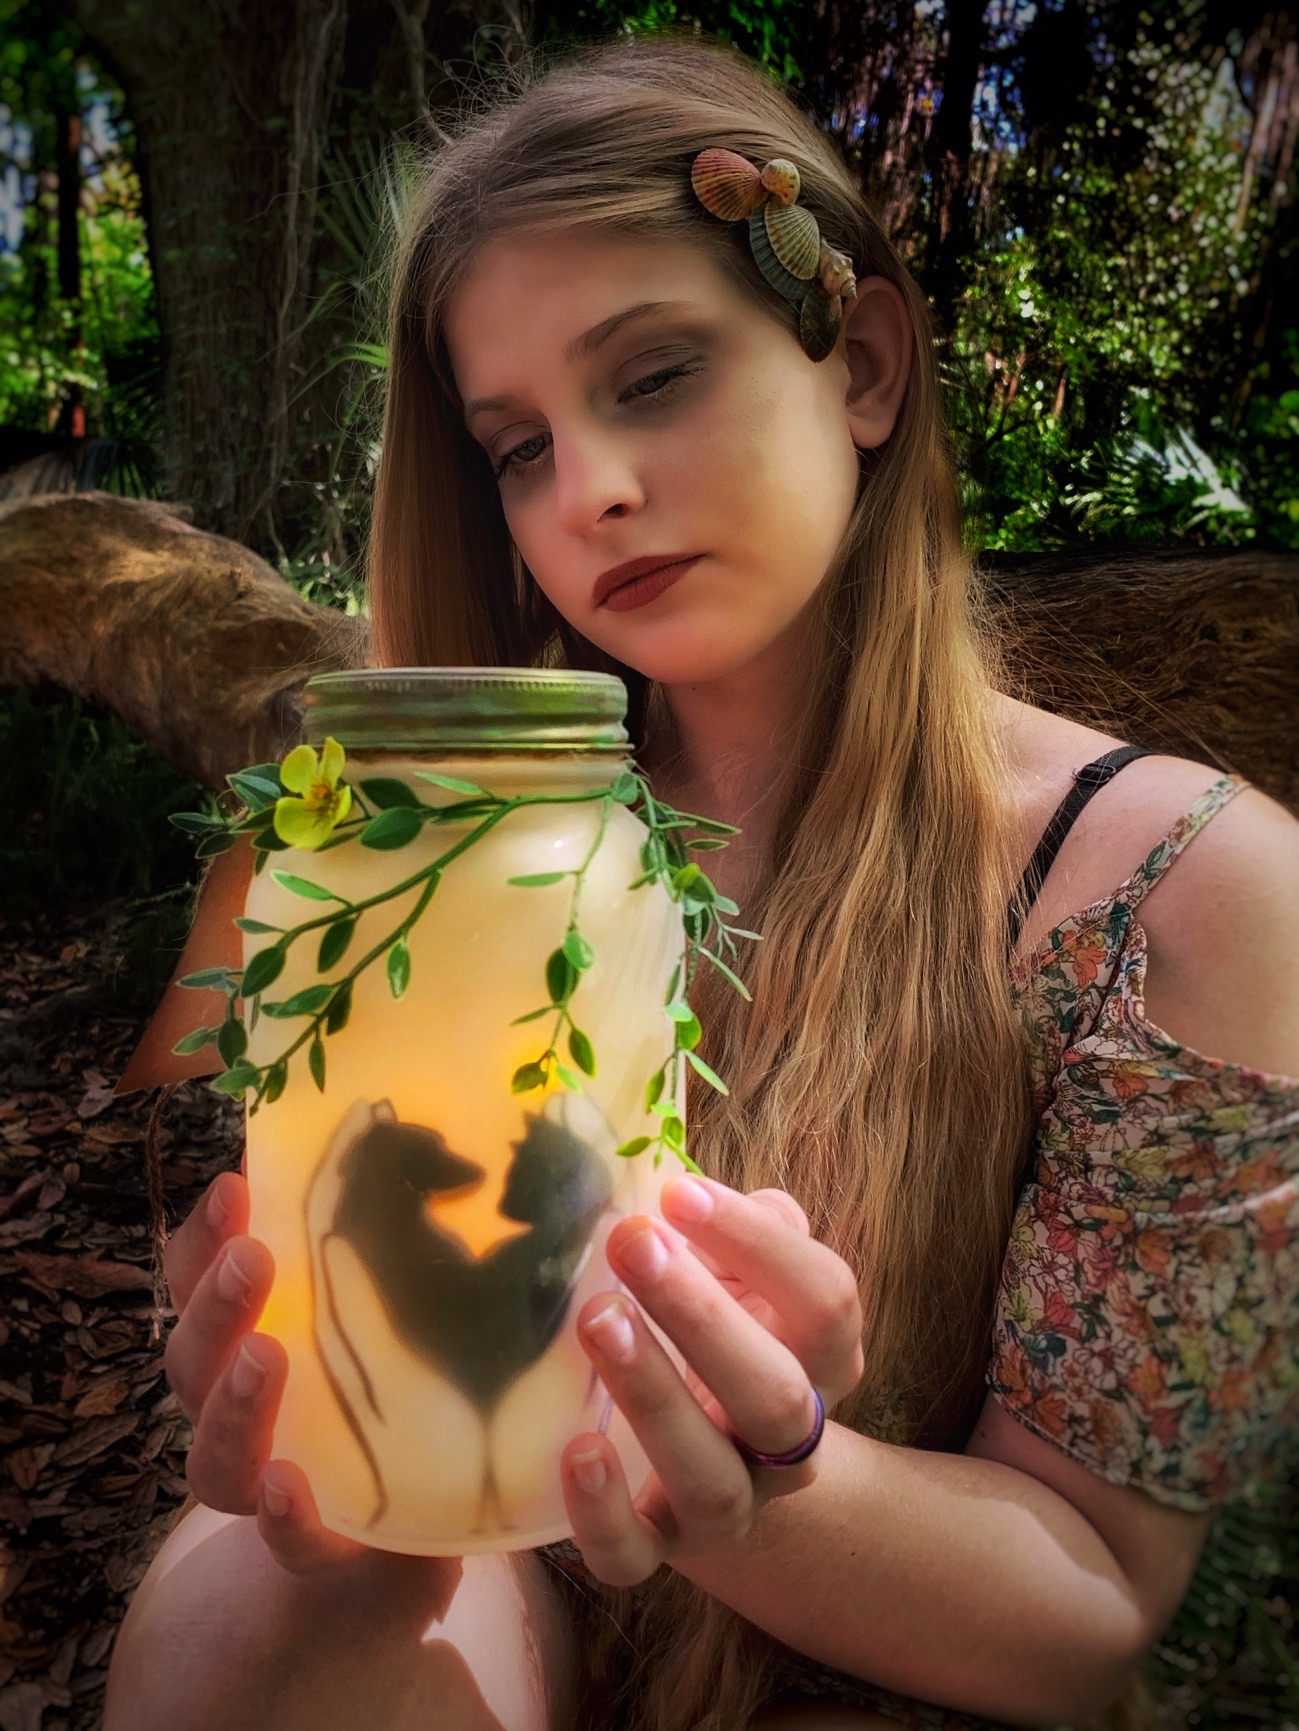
x: 480, y: 708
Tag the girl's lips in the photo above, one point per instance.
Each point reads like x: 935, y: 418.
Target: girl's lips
x: 642, y: 590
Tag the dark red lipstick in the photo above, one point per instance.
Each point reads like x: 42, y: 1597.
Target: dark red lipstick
x: 640, y: 581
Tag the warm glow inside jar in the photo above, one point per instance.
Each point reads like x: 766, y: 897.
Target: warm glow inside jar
x: 435, y: 1233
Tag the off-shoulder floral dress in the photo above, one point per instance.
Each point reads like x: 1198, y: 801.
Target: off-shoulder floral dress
x: 1148, y: 1317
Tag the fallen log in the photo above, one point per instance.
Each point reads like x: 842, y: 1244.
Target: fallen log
x: 1193, y: 652
x: 202, y: 649
x: 193, y: 641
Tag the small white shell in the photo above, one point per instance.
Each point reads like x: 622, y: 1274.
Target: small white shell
x: 782, y: 180
x: 835, y: 270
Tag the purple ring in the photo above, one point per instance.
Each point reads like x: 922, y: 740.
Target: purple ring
x: 793, y: 1456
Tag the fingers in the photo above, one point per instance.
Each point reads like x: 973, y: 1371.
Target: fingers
x: 707, y: 1494
x: 811, y: 1290
x: 232, y: 1437
x: 619, y: 1545
x: 222, y: 1308
x: 760, y: 1383
x: 288, y: 1520
x: 784, y: 1205
x: 220, y: 1213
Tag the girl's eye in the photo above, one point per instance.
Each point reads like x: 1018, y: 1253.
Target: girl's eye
x: 658, y: 386
x: 662, y: 381
x: 518, y: 458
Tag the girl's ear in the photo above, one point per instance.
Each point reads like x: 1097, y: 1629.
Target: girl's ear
x: 879, y: 343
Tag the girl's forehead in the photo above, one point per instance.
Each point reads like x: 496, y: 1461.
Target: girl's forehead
x: 554, y: 287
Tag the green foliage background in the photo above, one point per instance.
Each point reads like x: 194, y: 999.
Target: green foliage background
x: 1121, y: 308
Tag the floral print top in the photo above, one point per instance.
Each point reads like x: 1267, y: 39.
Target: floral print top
x: 1149, y: 1312
x: 1148, y: 1317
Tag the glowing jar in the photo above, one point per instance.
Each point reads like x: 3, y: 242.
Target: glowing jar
x: 435, y: 1233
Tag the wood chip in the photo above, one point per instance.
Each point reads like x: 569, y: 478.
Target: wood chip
x: 22, y: 1706
x: 87, y: 1276
x: 101, y: 1397
x: 97, y: 1643
x: 98, y: 1435
x: 24, y: 1465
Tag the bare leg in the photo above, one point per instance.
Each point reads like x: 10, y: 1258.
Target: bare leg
x: 220, y: 1638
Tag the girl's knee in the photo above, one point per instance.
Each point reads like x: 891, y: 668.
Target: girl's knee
x: 220, y: 1635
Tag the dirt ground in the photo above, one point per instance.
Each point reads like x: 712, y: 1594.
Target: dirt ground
x: 92, y: 1443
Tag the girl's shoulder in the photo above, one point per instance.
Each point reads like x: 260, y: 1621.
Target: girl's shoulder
x: 1203, y: 865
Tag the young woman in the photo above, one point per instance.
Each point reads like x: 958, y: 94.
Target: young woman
x: 979, y: 1188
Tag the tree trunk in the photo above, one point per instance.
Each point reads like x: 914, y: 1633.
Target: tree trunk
x: 234, y: 104
x: 230, y: 103
x: 951, y: 144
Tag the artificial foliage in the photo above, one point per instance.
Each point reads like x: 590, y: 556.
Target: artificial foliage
x: 305, y: 803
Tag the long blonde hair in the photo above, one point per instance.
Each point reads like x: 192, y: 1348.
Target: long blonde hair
x: 881, y: 1074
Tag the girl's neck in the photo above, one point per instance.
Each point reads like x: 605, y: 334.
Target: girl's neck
x: 727, y: 753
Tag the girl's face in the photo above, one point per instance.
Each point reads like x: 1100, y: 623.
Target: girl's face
x: 637, y: 406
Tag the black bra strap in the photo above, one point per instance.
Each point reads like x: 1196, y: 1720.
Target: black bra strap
x: 1087, y: 780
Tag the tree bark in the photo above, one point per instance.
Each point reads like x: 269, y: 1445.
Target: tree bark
x: 230, y: 103
x: 235, y: 104
x: 193, y: 641
x: 951, y: 145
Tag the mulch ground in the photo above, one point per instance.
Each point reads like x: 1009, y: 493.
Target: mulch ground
x: 92, y: 1443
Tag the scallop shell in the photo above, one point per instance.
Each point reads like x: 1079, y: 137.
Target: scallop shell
x: 794, y: 236
x: 783, y: 281
x: 835, y: 270
x: 819, y: 318
x: 726, y: 185
x: 782, y: 180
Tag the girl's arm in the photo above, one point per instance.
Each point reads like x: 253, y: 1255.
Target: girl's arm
x: 1008, y: 1581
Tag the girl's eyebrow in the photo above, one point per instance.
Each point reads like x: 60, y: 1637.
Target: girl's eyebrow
x: 582, y: 346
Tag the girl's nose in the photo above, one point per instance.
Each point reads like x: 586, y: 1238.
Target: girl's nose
x: 593, y: 480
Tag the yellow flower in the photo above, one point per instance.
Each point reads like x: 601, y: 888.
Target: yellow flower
x: 308, y: 815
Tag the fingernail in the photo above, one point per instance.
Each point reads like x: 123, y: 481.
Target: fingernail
x: 612, y: 1332
x: 246, y: 1375
x: 643, y: 1252
x: 590, y: 1472
x: 688, y: 1199
x: 276, y: 1498
x: 232, y: 1283
x: 217, y: 1212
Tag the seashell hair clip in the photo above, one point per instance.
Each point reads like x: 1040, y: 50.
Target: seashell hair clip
x: 785, y: 239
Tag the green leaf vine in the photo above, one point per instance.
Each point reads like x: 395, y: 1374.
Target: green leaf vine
x: 307, y: 799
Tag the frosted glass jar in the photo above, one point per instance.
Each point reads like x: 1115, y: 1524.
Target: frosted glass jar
x: 434, y: 1233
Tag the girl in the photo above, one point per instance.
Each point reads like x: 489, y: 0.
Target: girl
x: 977, y: 1188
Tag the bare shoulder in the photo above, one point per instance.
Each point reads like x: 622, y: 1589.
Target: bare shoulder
x: 1223, y: 931
x: 1222, y: 923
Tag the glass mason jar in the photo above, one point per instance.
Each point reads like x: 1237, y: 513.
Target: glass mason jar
x: 436, y: 1233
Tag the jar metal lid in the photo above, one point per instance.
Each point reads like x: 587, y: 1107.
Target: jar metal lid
x: 469, y: 708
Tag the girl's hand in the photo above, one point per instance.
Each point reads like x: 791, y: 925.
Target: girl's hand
x: 762, y: 1313
x: 229, y: 1381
